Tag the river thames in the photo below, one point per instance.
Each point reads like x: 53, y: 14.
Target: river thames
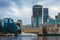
x: 29, y: 37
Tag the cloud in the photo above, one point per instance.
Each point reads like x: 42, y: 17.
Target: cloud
x: 40, y: 3
x: 4, y: 3
x: 22, y: 9
x: 15, y: 12
x: 53, y: 6
x: 53, y: 11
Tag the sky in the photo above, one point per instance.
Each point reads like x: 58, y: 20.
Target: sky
x: 22, y: 9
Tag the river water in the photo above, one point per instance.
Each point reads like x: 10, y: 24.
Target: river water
x: 29, y: 37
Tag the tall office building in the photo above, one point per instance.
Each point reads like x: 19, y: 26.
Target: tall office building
x: 37, y: 16
x: 40, y: 15
x: 45, y: 15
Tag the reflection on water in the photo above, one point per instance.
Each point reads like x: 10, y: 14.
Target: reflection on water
x: 48, y: 38
x: 29, y: 38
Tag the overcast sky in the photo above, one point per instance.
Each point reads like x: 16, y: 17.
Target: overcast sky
x: 22, y: 9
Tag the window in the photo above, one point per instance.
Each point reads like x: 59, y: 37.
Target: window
x: 11, y: 21
x: 6, y: 20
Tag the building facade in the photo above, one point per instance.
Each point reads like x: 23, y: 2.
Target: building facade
x: 45, y: 15
x: 51, y: 21
x: 57, y: 21
x: 40, y: 15
x: 37, y: 15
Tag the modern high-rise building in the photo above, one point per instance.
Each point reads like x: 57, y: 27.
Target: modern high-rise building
x: 45, y: 15
x: 37, y: 10
x: 37, y: 15
x: 40, y: 15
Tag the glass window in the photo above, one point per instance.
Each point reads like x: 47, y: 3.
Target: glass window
x: 11, y: 21
x: 40, y: 20
x: 35, y: 22
x: 6, y: 20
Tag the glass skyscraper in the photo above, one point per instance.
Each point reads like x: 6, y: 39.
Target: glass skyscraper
x: 37, y: 15
x: 45, y: 15
x: 40, y: 15
x: 37, y: 10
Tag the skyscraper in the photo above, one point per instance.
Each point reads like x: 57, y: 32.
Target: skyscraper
x: 45, y: 15
x: 40, y: 15
x: 37, y: 10
x: 37, y: 15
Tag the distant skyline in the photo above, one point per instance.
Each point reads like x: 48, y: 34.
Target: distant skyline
x: 22, y: 9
